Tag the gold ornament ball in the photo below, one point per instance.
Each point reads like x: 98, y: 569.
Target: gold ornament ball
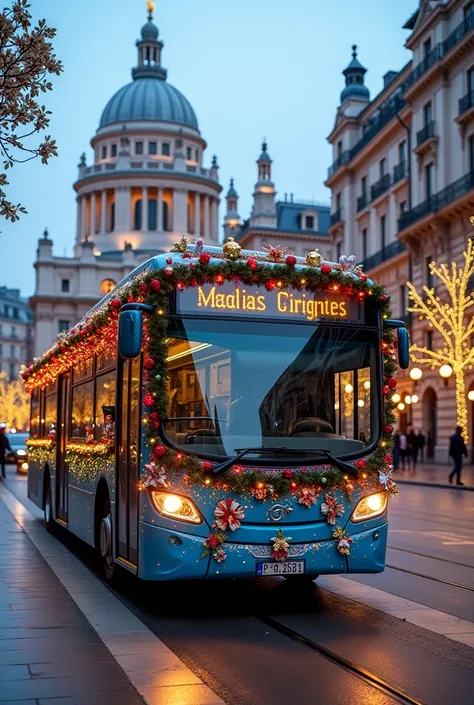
x: 314, y: 259
x: 232, y: 249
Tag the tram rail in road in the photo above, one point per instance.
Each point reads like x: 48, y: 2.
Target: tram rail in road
x: 369, y: 678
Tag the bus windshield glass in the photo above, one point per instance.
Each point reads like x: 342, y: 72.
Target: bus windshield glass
x: 247, y: 385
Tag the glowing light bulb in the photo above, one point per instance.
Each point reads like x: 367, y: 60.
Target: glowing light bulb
x: 416, y: 374
x: 408, y: 399
x: 348, y: 389
x: 396, y: 398
x: 415, y: 399
x: 470, y: 395
x: 401, y: 406
x: 445, y: 371
x: 367, y: 384
x: 172, y: 503
x: 361, y: 403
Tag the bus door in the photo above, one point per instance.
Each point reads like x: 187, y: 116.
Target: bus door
x: 63, y: 433
x: 128, y: 461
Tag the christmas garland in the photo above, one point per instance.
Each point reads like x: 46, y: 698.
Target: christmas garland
x: 97, y: 333
x: 86, y: 460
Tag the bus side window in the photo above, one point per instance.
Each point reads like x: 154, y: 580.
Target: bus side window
x: 35, y: 413
x: 82, y: 409
x: 104, y: 396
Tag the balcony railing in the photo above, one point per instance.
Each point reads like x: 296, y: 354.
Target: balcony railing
x: 439, y: 200
x: 342, y: 159
x: 457, y: 34
x: 384, y: 117
x: 362, y: 202
x: 336, y: 217
x: 380, y: 186
x: 399, y: 171
x: 383, y: 255
x: 466, y: 102
x: 430, y: 59
x: 428, y: 131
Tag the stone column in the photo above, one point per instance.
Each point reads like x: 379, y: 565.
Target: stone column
x: 144, y: 208
x: 122, y: 209
x: 214, y: 224
x: 197, y: 214
x: 78, y: 221
x: 92, y: 225
x: 103, y: 212
x: 206, y: 217
x: 180, y: 211
x: 392, y: 220
x: 159, y: 209
x: 83, y: 232
x: 373, y: 233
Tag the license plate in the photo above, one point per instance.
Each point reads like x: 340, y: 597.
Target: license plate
x: 286, y: 568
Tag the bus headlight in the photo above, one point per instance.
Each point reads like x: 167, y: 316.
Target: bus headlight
x: 175, y: 507
x: 21, y: 452
x: 24, y: 466
x: 370, y: 507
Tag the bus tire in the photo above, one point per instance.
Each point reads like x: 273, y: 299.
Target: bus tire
x: 49, y: 523
x: 109, y: 568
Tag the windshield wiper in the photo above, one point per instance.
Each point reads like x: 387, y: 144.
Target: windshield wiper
x: 340, y: 464
x: 222, y: 467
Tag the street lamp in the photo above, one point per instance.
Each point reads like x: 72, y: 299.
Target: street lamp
x: 445, y: 372
x: 416, y: 374
x: 414, y: 399
x: 470, y: 395
x: 408, y: 399
x: 396, y: 398
x: 401, y: 406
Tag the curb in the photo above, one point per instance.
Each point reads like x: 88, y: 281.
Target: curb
x: 466, y: 488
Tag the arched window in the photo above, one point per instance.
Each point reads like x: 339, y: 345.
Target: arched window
x: 137, y: 219
x: 152, y: 210
x: 165, y: 216
x: 107, y: 286
x: 112, y: 217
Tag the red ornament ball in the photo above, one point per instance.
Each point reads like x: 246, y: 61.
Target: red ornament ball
x: 159, y: 450
x: 155, y: 424
x: 169, y: 260
x: 168, y: 271
x: 219, y: 279
x: 388, y: 428
x: 115, y: 303
x: 148, y: 400
x: 155, y: 285
x: 252, y: 263
x: 364, y: 277
x: 270, y: 285
x: 204, y: 258
x: 384, y: 298
x: 360, y: 464
x: 326, y: 269
x: 392, y: 382
x: 288, y: 474
x: 186, y: 255
x: 386, y: 390
x: 154, y: 416
x: 143, y: 288
x: 131, y: 299
x: 290, y: 260
x: 149, y: 363
x: 388, y: 458
x: 206, y: 465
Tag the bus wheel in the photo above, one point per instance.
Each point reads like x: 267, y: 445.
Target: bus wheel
x: 49, y: 522
x: 105, y: 544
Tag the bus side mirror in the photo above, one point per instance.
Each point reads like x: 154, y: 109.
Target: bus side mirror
x: 130, y: 334
x: 403, y: 348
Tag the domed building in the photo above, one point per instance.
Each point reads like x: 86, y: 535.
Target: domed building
x: 147, y: 185
x: 145, y: 189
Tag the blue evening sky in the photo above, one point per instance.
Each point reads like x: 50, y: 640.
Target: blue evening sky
x: 250, y: 68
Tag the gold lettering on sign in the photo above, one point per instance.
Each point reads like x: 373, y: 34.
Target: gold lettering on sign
x: 286, y: 303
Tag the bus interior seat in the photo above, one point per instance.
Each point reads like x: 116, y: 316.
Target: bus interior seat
x: 311, y: 426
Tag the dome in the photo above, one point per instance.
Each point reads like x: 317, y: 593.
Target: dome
x: 149, y: 32
x: 354, y: 75
x: 149, y: 99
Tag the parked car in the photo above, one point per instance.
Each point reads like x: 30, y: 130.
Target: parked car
x: 20, y: 451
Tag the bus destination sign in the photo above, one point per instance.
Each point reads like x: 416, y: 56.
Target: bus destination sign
x: 288, y: 304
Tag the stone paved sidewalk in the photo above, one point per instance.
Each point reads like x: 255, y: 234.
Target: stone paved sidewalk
x: 435, y: 475
x: 49, y: 653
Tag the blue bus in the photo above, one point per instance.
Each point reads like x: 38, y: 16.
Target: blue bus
x: 223, y: 413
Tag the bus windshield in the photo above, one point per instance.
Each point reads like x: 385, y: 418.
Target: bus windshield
x: 247, y: 385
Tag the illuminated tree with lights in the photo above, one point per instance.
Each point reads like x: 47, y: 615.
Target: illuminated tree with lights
x: 14, y: 402
x: 454, y: 321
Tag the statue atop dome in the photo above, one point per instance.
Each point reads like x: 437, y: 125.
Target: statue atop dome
x: 151, y: 8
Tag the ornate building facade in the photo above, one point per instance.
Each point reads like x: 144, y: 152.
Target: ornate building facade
x: 15, y: 332
x: 402, y: 184
x: 300, y: 226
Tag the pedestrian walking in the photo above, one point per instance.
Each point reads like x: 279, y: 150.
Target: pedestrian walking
x: 457, y: 449
x: 396, y: 450
x: 429, y: 445
x: 4, y: 448
x: 421, y: 441
x: 404, y: 450
x: 413, y: 446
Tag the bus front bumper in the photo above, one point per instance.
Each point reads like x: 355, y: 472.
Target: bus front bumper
x: 171, y: 555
